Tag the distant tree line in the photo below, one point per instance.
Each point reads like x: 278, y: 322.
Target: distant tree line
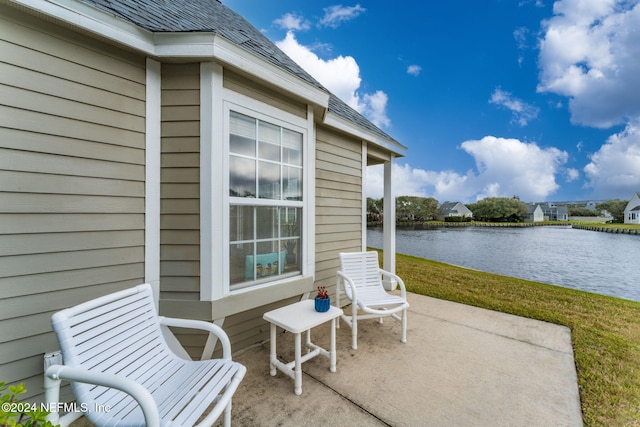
x: 499, y: 209
x: 490, y: 209
x: 408, y: 208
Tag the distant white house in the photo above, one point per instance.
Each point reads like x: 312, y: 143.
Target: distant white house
x: 555, y: 212
x: 448, y: 209
x: 535, y: 214
x: 632, y: 211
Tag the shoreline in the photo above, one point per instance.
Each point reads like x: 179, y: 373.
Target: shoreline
x: 426, y: 225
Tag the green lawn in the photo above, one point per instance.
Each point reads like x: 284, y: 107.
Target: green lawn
x: 605, y: 331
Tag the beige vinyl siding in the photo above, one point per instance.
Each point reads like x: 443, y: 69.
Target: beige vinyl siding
x: 244, y: 330
x: 243, y: 85
x: 180, y: 183
x: 338, y: 201
x: 71, y: 182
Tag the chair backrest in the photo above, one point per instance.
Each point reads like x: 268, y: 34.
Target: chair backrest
x: 118, y: 333
x: 362, y: 268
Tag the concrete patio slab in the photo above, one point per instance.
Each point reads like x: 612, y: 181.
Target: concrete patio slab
x: 461, y: 366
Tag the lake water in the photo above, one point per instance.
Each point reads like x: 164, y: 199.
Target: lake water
x: 592, y: 261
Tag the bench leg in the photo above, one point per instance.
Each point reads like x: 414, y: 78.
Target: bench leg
x: 227, y: 415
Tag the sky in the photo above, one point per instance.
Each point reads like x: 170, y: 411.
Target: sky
x: 493, y: 98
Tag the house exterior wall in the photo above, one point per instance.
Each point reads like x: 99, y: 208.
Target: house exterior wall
x: 632, y: 211
x: 339, y: 209
x: 180, y: 182
x: 537, y: 215
x: 72, y: 168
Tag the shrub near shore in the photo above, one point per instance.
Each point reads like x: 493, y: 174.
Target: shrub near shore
x: 605, y: 331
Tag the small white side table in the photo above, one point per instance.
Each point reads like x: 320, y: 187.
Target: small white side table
x: 297, y: 318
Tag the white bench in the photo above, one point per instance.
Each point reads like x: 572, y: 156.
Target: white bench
x: 123, y: 373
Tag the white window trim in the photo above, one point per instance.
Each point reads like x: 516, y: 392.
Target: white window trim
x: 216, y: 103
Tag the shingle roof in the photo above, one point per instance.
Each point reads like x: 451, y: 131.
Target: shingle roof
x: 448, y: 207
x: 213, y: 16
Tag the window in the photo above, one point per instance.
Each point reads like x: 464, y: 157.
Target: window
x: 266, y: 200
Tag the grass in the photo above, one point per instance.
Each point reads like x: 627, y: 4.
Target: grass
x: 605, y: 331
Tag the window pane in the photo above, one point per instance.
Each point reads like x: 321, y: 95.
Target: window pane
x: 241, y: 223
x: 242, y: 125
x: 269, y: 181
x: 269, y: 260
x: 242, y: 138
x: 242, y: 145
x: 266, y: 222
x: 269, y: 148
x: 292, y: 147
x: 242, y: 177
x: 289, y: 222
x: 265, y: 162
x: 241, y: 263
x: 292, y: 183
x: 291, y: 248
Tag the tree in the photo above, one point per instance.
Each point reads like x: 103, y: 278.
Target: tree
x: 615, y: 208
x: 374, y: 209
x: 499, y: 209
x: 575, y: 210
x: 413, y: 208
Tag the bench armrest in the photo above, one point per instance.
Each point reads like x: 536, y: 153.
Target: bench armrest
x: 55, y: 373
x: 213, y: 329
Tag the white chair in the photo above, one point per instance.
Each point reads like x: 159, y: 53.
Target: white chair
x: 123, y: 372
x: 360, y: 279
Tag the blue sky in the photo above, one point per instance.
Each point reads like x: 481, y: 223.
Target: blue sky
x: 532, y: 98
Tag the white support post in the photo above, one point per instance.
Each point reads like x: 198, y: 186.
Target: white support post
x: 389, y: 224
x: 211, y: 194
x: 364, y: 196
x: 152, y: 178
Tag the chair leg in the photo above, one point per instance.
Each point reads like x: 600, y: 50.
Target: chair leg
x: 354, y: 328
x: 404, y: 325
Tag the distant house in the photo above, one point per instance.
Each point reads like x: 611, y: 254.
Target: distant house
x: 632, y: 211
x: 168, y: 142
x: 555, y: 212
x: 448, y: 209
x: 535, y: 214
x: 591, y: 206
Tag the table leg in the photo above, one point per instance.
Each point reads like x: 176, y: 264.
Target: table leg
x: 272, y: 356
x: 298, y: 364
x: 332, y: 351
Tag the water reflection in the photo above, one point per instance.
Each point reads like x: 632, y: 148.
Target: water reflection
x: 603, y: 263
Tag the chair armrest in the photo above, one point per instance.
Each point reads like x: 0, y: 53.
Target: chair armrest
x: 56, y: 373
x: 352, y: 285
x: 403, y: 288
x: 213, y: 329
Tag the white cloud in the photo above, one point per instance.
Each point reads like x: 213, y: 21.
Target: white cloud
x: 414, y: 70
x: 290, y: 21
x: 521, y: 111
x: 520, y: 34
x: 374, y: 107
x: 590, y: 52
x: 336, y: 15
x: 614, y: 170
x: 504, y: 168
x: 572, y: 174
x: 341, y: 75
